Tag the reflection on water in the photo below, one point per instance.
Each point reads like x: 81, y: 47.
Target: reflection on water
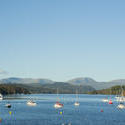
x: 88, y: 113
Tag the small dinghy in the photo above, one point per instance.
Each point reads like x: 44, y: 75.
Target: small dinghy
x: 31, y: 103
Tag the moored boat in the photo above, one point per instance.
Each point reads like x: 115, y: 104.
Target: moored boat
x: 31, y: 103
x: 121, y: 106
x: 76, y: 103
x: 8, y: 105
x: 58, y: 105
x: 121, y: 100
x: 110, y: 101
x: 1, y: 96
x: 105, y: 100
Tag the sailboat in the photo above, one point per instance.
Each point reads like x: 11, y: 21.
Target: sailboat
x: 121, y: 100
x: 1, y: 96
x: 58, y: 104
x: 121, y: 105
x: 76, y: 102
x: 110, y: 101
x: 31, y: 103
x: 117, y: 96
x: 105, y: 100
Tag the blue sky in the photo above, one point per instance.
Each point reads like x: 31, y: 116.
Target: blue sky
x: 62, y: 39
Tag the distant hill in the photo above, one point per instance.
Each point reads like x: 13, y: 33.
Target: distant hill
x: 87, y: 81
x: 25, y: 81
x: 84, y: 81
x: 69, y: 88
x: 118, y: 81
x: 95, y: 84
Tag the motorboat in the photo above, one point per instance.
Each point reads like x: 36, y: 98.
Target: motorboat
x: 31, y: 103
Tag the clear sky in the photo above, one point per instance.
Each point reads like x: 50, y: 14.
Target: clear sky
x: 62, y: 39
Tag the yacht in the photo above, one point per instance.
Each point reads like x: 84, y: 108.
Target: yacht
x: 31, y: 103
x: 121, y: 106
x: 121, y: 100
x: 58, y: 104
x: 105, y: 100
x: 76, y: 102
x: 110, y: 101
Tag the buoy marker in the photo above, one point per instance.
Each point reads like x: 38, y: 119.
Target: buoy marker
x: 101, y: 110
x: 10, y: 112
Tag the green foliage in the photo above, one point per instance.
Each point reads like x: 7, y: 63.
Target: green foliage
x: 65, y: 88
x: 115, y: 90
x: 12, y: 89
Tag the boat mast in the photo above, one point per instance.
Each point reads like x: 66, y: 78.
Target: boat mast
x: 57, y: 94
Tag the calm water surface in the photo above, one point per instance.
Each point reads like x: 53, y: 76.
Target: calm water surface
x: 88, y: 113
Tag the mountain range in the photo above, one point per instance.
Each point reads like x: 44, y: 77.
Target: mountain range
x: 84, y: 81
x: 25, y: 81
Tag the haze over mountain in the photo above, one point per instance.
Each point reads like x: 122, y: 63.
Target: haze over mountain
x: 43, y: 86
x: 84, y: 81
x: 95, y: 84
x: 16, y: 80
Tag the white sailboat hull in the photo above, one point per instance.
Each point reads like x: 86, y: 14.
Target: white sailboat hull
x: 58, y: 106
x: 1, y: 97
x: 121, y: 106
x: 76, y: 104
x: 120, y: 99
x: 105, y: 100
x: 31, y: 103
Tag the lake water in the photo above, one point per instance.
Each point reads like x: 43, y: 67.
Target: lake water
x: 88, y: 113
